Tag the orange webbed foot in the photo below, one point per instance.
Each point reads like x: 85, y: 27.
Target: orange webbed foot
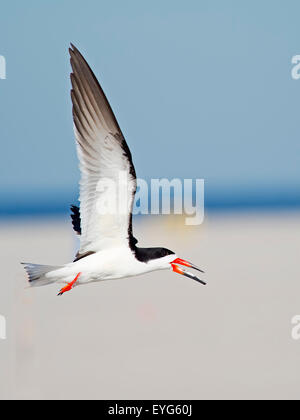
x: 69, y: 286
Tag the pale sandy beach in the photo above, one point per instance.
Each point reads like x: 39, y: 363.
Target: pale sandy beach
x: 160, y: 336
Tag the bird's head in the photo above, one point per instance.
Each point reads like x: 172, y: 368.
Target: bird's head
x: 163, y: 258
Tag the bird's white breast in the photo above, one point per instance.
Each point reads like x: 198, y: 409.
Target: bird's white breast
x: 114, y: 263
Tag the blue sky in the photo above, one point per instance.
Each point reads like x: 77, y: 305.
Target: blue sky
x: 201, y: 89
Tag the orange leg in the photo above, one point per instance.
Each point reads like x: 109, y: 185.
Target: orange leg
x: 69, y: 286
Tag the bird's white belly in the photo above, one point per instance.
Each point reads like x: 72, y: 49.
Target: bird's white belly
x: 109, y: 264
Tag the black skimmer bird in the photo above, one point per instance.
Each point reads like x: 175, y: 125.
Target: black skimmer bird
x: 108, y: 249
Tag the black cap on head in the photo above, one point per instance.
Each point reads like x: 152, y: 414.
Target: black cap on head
x: 147, y: 254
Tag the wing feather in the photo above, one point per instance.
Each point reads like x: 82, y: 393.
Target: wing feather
x: 103, y: 155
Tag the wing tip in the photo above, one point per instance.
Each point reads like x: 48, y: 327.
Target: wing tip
x: 72, y: 48
x: 75, y: 53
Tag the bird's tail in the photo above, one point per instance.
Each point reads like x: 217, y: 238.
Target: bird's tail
x: 37, y: 274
